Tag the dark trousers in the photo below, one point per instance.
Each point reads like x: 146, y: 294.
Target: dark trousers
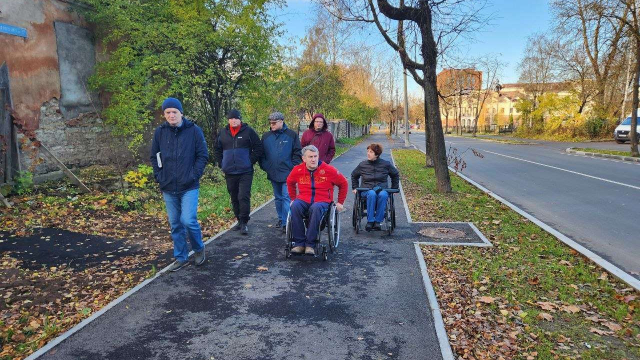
x: 298, y: 209
x: 239, y: 187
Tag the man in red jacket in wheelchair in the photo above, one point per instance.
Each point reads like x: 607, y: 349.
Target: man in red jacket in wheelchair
x: 315, y: 181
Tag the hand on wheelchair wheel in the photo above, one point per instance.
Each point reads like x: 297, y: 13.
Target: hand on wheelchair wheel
x: 339, y: 207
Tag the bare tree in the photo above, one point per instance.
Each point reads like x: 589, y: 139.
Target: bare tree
x: 587, y: 22
x: 537, y: 68
x: 490, y: 67
x: 630, y: 18
x: 431, y: 27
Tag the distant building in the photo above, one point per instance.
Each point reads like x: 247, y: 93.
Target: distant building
x: 461, y: 99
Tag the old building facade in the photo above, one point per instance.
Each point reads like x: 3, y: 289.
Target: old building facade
x: 49, y: 52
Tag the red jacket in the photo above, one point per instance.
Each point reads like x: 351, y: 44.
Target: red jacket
x: 323, y: 140
x: 316, y: 186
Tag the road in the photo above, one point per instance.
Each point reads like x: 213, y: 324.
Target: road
x: 594, y: 201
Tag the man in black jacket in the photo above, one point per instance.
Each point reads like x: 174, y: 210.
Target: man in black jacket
x: 238, y: 147
x: 375, y: 173
x: 179, y: 155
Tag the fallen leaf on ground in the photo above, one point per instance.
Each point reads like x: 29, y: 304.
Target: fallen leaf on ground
x: 487, y: 299
x: 262, y: 268
x: 545, y: 316
x: 545, y: 305
x: 612, y: 326
x: 600, y: 332
x: 603, y: 276
x: 19, y: 337
x: 571, y: 309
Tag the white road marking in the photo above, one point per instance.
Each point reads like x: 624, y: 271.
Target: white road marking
x: 561, y: 169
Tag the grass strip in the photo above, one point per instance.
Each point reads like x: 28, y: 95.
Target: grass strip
x: 604, y: 151
x: 529, y: 296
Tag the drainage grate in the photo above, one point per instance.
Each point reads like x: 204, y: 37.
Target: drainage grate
x: 449, y: 233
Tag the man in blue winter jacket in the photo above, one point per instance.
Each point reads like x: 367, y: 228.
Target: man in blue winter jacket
x: 282, y: 151
x: 237, y: 148
x: 179, y: 155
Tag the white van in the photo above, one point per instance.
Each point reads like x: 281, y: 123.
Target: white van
x: 621, y: 133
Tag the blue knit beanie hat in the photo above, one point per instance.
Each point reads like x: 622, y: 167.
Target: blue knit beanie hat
x: 172, y: 103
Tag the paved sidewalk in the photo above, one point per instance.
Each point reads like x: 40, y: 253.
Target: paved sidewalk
x: 366, y: 302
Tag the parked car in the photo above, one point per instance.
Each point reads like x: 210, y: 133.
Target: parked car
x: 621, y: 133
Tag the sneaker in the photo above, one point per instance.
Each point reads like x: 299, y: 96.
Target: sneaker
x: 278, y: 224
x: 369, y: 226
x: 199, y: 258
x: 238, y: 226
x: 309, y: 251
x: 245, y: 229
x: 376, y: 226
x: 297, y: 250
x: 177, y: 265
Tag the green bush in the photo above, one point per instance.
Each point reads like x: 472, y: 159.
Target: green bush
x: 594, y: 126
x: 23, y: 183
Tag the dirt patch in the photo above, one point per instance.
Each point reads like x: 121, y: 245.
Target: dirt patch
x: 442, y: 233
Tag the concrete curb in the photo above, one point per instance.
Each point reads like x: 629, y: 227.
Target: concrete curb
x: 438, y: 323
x: 614, y: 270
x: 608, y: 156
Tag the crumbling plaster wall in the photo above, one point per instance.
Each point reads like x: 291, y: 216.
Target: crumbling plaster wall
x: 48, y: 72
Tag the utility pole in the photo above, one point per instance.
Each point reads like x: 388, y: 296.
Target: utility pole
x: 397, y: 111
x: 406, y: 110
x: 392, y: 104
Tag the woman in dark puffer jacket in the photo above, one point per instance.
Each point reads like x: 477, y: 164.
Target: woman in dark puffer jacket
x: 375, y: 173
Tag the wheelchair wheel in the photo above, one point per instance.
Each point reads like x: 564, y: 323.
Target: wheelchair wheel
x: 358, y: 211
x: 388, y: 218
x: 393, y: 213
x: 333, y: 228
x: 288, y: 239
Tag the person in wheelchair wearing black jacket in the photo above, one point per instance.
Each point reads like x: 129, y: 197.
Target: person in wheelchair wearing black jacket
x: 375, y: 173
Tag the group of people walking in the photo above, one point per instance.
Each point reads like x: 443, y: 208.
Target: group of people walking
x: 297, y: 168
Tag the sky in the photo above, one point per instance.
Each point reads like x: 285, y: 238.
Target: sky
x: 513, y: 21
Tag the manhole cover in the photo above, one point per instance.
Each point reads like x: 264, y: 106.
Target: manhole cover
x: 442, y: 233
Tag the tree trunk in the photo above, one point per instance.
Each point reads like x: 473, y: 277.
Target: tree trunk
x: 435, y: 136
x: 428, y: 159
x: 634, y: 107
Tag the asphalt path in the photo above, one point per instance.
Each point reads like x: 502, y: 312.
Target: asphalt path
x: 594, y: 201
x: 366, y: 302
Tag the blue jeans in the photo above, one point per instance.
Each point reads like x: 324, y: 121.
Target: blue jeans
x: 282, y: 200
x: 376, y: 205
x: 182, y: 212
x: 298, y: 209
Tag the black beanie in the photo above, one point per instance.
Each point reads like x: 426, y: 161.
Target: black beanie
x: 234, y: 114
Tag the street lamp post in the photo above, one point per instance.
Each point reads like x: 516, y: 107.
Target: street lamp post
x: 406, y: 110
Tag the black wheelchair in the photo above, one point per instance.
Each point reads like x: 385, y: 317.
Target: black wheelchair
x: 330, y: 222
x: 360, y: 210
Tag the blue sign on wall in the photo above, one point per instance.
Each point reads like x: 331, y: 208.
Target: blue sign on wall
x: 13, y: 30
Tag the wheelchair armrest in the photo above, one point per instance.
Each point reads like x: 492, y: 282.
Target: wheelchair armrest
x: 362, y: 189
x: 392, y: 191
